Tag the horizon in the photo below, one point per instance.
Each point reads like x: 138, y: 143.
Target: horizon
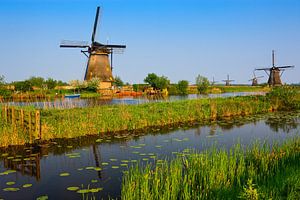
x: 170, y: 38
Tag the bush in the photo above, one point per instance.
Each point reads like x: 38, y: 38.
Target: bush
x: 202, y: 84
x: 182, y: 87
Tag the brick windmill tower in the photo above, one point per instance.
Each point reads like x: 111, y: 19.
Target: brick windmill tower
x: 275, y: 72
x: 98, y: 65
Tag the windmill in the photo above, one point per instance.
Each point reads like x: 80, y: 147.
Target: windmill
x: 213, y: 82
x: 227, y: 82
x: 275, y: 73
x: 254, y: 79
x: 98, y: 65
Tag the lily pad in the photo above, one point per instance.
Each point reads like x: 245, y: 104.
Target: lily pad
x: 64, y: 174
x: 27, y: 185
x: 83, y: 191
x: 97, y: 169
x: 11, y: 189
x: 94, y: 190
x: 10, y: 183
x: 113, y: 159
x: 89, y: 168
x: 94, y: 181
x: 105, y: 163
x: 45, y: 197
x: 4, y: 154
x: 73, y: 188
x: 124, y: 164
x: 80, y: 169
x: 99, y: 140
x: 7, y: 172
x: 115, y: 167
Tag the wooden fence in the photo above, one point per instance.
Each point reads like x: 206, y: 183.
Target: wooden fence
x: 28, y: 121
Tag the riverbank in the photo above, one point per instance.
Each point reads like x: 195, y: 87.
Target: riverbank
x: 259, y: 172
x: 111, y: 119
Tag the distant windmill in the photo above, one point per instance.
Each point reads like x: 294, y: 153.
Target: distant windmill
x: 274, y: 72
x: 98, y: 65
x: 255, y: 79
x: 213, y: 82
x: 227, y: 82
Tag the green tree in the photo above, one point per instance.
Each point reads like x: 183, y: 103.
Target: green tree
x: 118, y: 81
x: 36, y: 81
x: 23, y: 86
x: 202, y: 84
x: 157, y: 82
x: 51, y: 83
x: 182, y: 87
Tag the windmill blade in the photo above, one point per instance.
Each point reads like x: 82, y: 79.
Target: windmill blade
x: 284, y: 67
x: 260, y: 77
x: 95, y: 25
x: 115, y: 46
x: 262, y: 69
x: 73, y: 44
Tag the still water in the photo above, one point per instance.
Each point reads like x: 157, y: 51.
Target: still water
x: 90, y: 102
x: 90, y: 162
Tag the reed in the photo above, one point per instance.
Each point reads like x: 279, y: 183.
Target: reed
x: 257, y: 172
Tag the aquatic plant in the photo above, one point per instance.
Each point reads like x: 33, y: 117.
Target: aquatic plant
x: 260, y: 171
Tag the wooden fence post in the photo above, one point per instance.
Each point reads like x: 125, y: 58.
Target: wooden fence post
x: 38, y: 124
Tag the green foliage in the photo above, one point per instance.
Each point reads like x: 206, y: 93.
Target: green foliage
x: 220, y: 174
x: 93, y: 85
x: 202, y: 84
x: 23, y: 86
x: 36, y: 81
x: 50, y: 83
x: 285, y: 97
x: 182, y: 87
x: 118, y: 81
x: 249, y: 191
x: 157, y: 82
x: 4, y: 92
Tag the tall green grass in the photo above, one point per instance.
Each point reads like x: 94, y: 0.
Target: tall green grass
x: 259, y: 172
x: 114, y: 118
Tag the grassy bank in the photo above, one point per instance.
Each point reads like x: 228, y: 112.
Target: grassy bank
x: 256, y: 173
x: 68, y: 123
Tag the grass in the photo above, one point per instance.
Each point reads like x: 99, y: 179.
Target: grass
x: 76, y: 122
x: 257, y: 172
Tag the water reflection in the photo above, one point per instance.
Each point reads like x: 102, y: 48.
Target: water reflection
x: 91, y: 102
x: 111, y: 155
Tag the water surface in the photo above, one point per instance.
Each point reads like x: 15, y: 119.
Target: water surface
x: 99, y: 163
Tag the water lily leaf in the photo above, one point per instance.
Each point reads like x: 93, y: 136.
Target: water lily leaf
x: 10, y: 158
x: 94, y: 181
x: 94, y: 190
x: 113, y: 159
x: 89, y: 168
x: 11, y: 189
x: 73, y: 188
x: 125, y: 161
x: 70, y: 147
x: 80, y: 169
x: 16, y: 160
x: 64, y: 174
x: 45, y: 197
x: 83, y: 191
x: 4, y: 154
x: 27, y: 185
x: 133, y: 161
x: 124, y: 164
x: 7, y: 172
x: 97, y: 169
x: 135, y: 152
x: 158, y: 146
x: 142, y: 154
x: 99, y: 140
x: 10, y: 183
x: 105, y: 163
x: 115, y: 167
x: 145, y: 159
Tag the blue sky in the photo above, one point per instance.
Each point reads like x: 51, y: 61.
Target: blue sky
x: 176, y: 38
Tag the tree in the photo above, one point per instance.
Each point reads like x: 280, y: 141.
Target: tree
x: 36, y: 81
x: 157, y: 82
x: 182, y: 87
x: 151, y: 79
x: 118, y: 82
x: 202, y: 84
x: 51, y: 83
x: 23, y: 86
